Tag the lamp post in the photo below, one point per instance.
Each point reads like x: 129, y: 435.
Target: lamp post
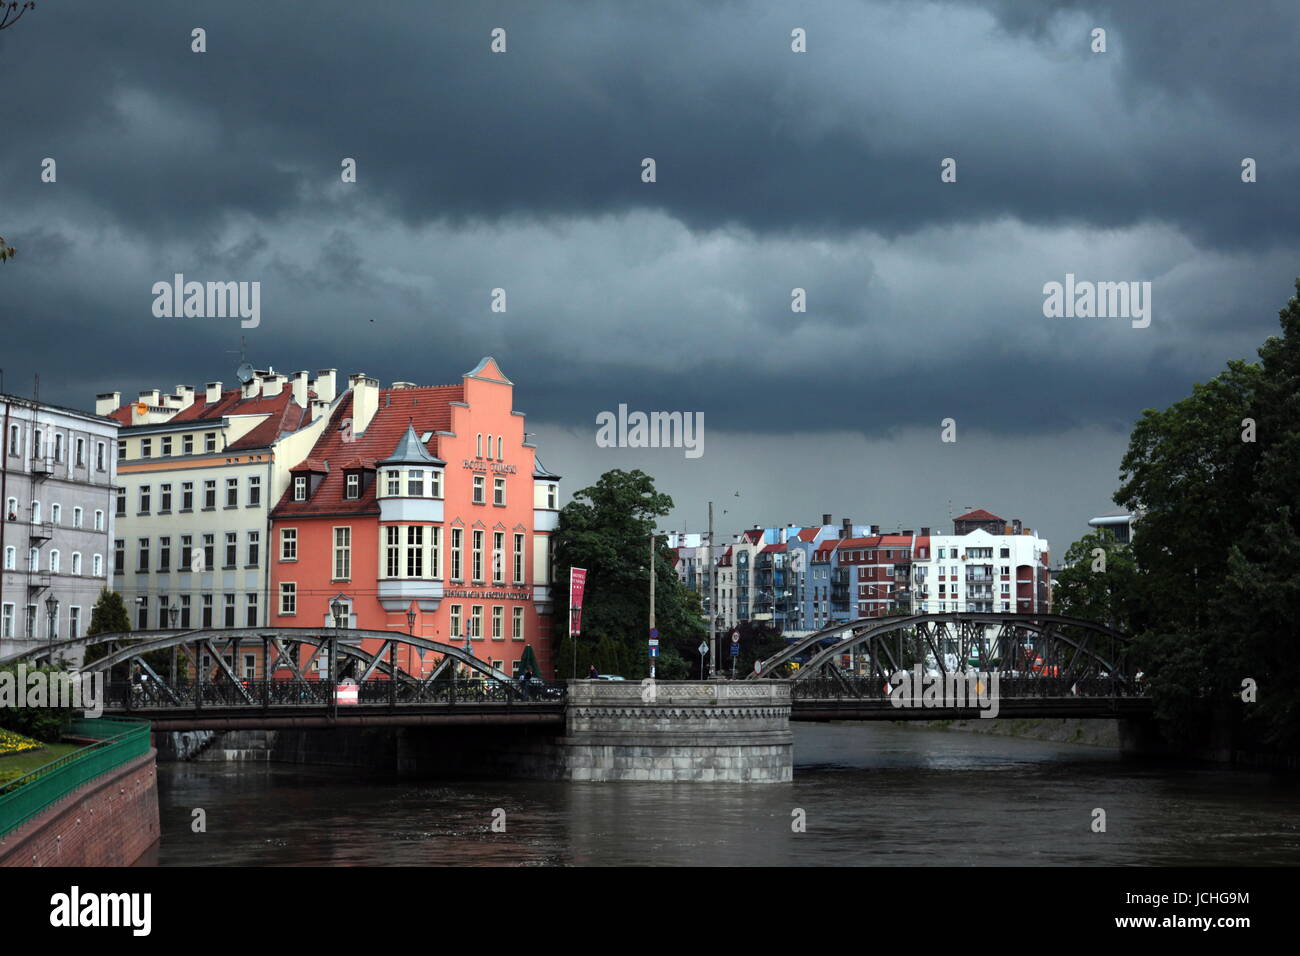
x: 51, y: 609
x: 392, y: 657
x: 173, y: 613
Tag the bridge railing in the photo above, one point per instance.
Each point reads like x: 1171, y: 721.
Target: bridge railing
x: 189, y: 695
x: 118, y: 741
x: 1009, y: 686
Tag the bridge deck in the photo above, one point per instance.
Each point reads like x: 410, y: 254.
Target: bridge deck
x: 849, y: 708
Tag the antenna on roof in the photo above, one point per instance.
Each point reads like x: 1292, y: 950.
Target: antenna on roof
x: 245, y: 373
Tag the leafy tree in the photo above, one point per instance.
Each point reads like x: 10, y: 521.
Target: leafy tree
x: 40, y: 723
x: 107, y: 617
x: 1216, y: 541
x: 6, y: 251
x: 1085, y: 590
x: 606, y: 529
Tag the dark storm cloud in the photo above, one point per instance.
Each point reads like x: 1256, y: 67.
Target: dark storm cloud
x: 847, y: 136
x: 775, y: 171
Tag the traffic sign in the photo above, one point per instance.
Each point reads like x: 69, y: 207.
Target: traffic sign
x: 703, y: 648
x: 654, y: 632
x: 735, y: 648
x: 735, y: 638
x: 654, y: 643
x: 654, y: 651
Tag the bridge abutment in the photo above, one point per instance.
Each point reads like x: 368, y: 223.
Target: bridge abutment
x: 681, y: 731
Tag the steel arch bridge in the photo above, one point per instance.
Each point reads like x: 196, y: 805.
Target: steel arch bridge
x: 1034, y: 655
x: 201, y: 673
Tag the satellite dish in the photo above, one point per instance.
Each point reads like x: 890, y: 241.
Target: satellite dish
x: 245, y: 373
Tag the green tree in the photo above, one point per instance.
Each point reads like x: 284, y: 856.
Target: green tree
x: 606, y: 529
x: 107, y: 617
x: 1216, y: 540
x: 1098, y: 587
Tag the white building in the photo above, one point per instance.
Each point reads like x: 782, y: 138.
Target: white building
x: 198, y: 474
x: 57, y: 473
x: 979, y: 571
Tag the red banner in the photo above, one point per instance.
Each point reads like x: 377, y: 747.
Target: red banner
x: 577, y: 583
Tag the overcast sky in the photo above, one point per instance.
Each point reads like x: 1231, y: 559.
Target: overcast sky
x: 775, y: 170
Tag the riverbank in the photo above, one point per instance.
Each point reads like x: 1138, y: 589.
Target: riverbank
x: 1085, y: 732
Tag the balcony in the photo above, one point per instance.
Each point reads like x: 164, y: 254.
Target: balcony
x: 42, y: 531
x: 42, y: 467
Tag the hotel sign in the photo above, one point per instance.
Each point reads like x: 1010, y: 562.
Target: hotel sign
x: 496, y: 467
x: 492, y: 595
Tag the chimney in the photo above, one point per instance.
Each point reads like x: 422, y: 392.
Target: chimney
x: 272, y: 384
x: 186, y: 394
x: 826, y: 519
x: 846, y: 528
x: 326, y: 387
x: 214, y: 393
x: 403, y: 385
x: 150, y: 397
x: 249, y: 388
x: 319, y: 408
x: 365, y: 400
x: 925, y: 532
x: 107, y: 403
x: 875, y: 530
x: 1015, y: 523
x: 907, y: 533
x: 300, y: 388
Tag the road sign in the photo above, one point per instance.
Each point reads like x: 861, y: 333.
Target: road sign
x: 735, y: 648
x: 735, y: 638
x: 654, y: 632
x: 654, y: 651
x: 703, y: 648
x: 654, y: 643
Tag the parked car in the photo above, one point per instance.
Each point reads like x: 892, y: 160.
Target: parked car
x: 608, y: 677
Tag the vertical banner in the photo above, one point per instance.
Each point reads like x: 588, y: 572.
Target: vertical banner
x: 577, y: 582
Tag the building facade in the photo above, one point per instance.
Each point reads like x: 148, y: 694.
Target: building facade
x: 57, y: 474
x: 432, y: 504
x: 197, y: 476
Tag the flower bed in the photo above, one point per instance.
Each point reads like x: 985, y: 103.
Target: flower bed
x: 15, y: 743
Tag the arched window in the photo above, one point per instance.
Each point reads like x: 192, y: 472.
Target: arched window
x: 499, y: 455
x: 33, y: 559
x: 77, y: 517
x: 36, y: 512
x: 479, y: 446
x: 56, y: 513
x: 11, y: 558
x: 97, y: 565
x: 76, y: 562
x: 54, y: 561
x: 11, y: 509
x: 99, y: 520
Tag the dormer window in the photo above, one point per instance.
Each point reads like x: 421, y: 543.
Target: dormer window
x: 353, y: 491
x: 415, y: 483
x: 300, y: 488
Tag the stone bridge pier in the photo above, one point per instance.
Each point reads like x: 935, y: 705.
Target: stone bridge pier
x: 678, y: 731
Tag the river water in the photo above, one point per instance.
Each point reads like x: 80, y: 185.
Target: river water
x: 870, y: 794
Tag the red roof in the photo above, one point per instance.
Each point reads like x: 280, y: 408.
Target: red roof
x: 284, y: 416
x: 808, y: 534
x: 753, y: 536
x: 979, y: 514
x: 427, y: 409
x: 774, y: 548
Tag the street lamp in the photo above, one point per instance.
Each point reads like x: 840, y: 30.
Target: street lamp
x: 51, y: 609
x: 338, y: 607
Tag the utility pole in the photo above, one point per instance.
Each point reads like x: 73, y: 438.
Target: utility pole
x: 713, y: 601
x: 652, y: 597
